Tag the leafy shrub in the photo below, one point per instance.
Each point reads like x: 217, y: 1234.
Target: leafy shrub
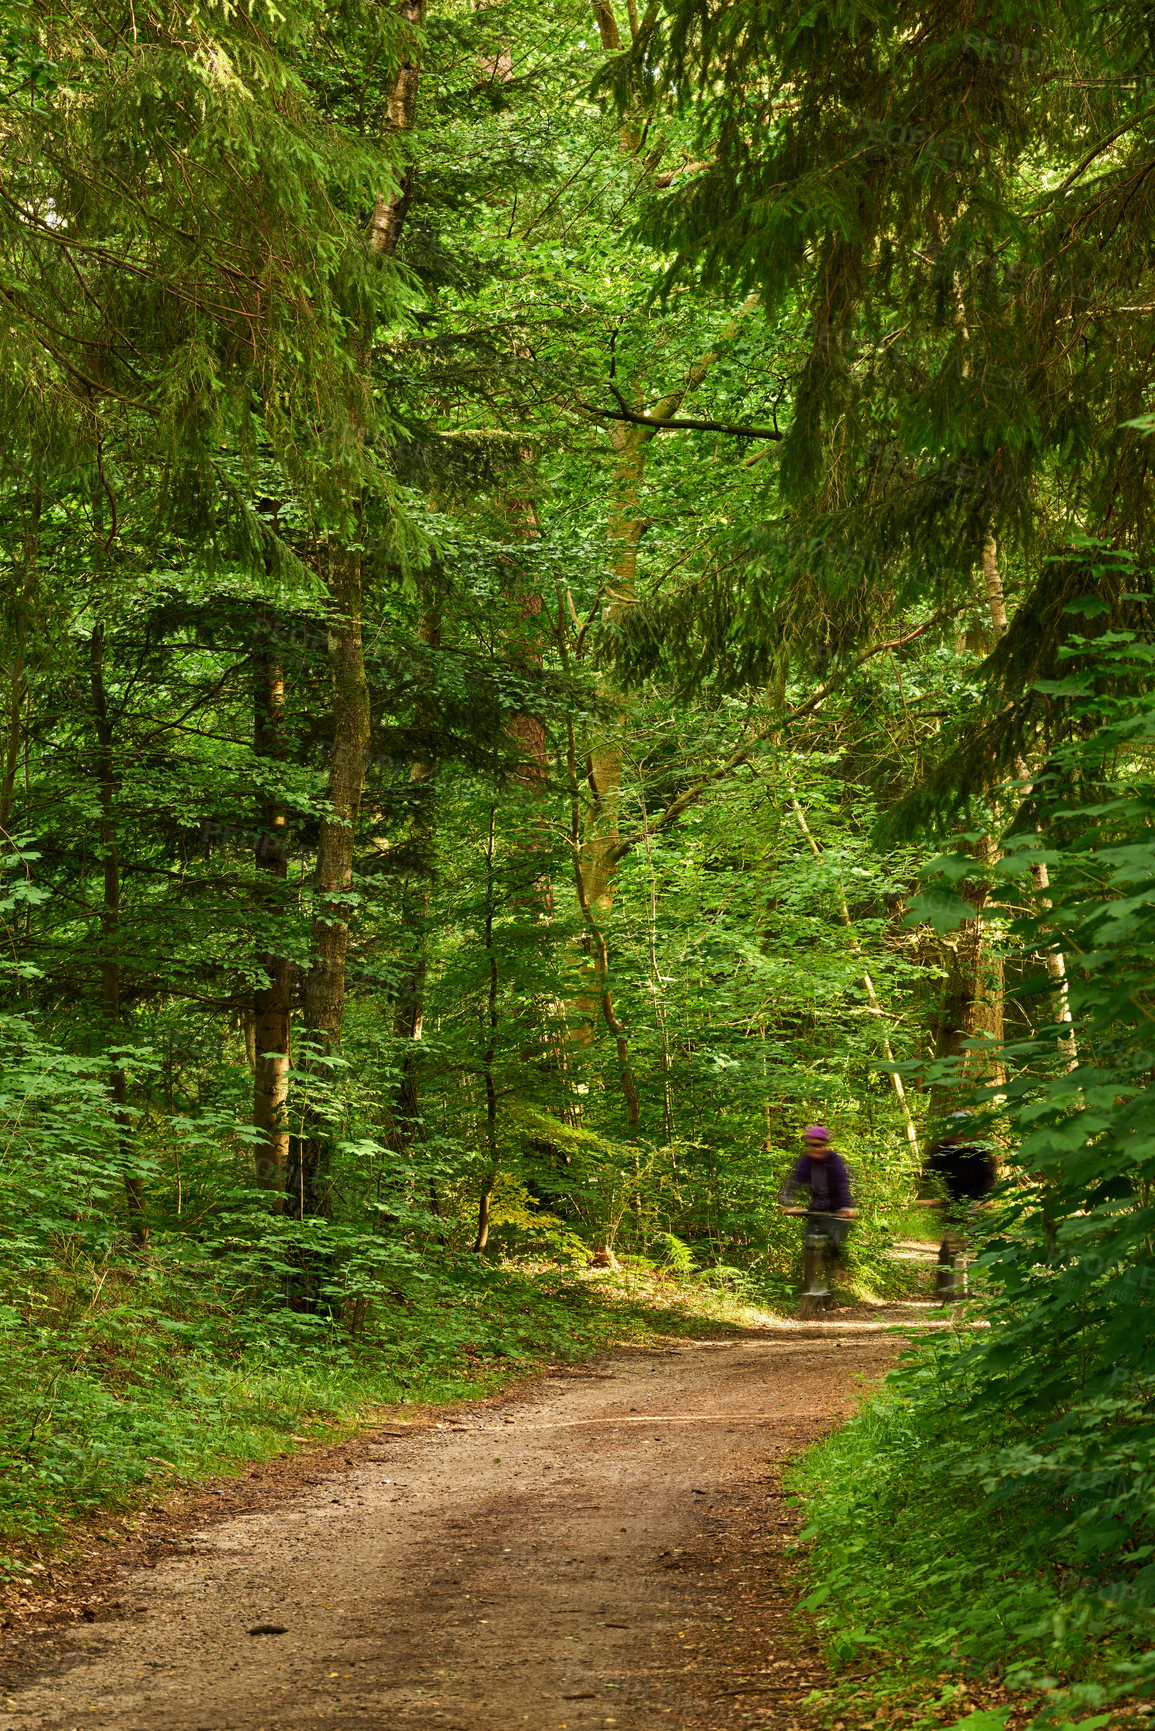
x: 996, y: 1511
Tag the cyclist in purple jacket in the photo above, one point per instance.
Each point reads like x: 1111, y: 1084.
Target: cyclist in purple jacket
x: 822, y: 1172
x: 822, y: 1176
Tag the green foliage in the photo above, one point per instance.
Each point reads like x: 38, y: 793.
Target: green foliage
x: 913, y: 1579
x: 119, y: 1375
x: 1044, y: 1416
x: 925, y: 205
x: 617, y: 886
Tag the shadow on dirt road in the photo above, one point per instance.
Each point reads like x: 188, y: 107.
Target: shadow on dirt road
x: 603, y: 1550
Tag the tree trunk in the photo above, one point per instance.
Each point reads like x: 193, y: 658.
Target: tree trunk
x: 17, y: 687
x: 490, y: 1049
x: 271, y: 1002
x: 656, y: 988
x: 307, y: 1181
x: 1053, y: 959
x: 18, y: 677
x: 408, y: 1023
x: 1056, y: 965
x: 526, y: 731
x: 13, y: 732
x: 599, y: 955
x: 390, y: 210
x: 993, y: 583
x: 599, y: 858
x: 307, y: 1185
x: 110, y: 994
x: 631, y: 129
x: 972, y: 1002
x: 409, y: 1005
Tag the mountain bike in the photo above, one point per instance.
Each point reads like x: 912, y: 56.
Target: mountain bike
x: 951, y: 1283
x: 822, y: 1250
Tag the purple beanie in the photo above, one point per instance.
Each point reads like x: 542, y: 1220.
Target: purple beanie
x: 816, y: 1133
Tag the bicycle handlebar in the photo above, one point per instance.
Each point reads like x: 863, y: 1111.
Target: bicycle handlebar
x: 834, y: 1213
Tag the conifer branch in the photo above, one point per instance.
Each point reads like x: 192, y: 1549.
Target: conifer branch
x: 1103, y: 144
x: 693, y: 794
x: 824, y: 691
x: 91, y: 385
x: 668, y: 179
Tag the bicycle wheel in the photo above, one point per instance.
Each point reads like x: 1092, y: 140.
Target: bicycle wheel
x: 816, y: 1292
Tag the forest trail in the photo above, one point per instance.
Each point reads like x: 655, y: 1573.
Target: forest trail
x: 604, y: 1549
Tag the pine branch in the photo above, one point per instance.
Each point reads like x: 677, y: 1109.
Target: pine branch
x: 1098, y: 149
x: 671, y: 175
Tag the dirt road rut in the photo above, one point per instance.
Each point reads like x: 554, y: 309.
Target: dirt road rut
x: 602, y: 1551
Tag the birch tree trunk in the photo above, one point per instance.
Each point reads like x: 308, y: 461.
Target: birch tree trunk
x: 391, y: 209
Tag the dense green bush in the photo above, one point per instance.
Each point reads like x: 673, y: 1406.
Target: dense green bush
x: 996, y: 1509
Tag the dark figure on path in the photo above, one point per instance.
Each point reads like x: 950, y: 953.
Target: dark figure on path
x: 821, y: 1176
x: 968, y: 1170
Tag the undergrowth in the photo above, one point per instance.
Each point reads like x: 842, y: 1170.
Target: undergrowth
x: 944, y: 1593
x: 983, y: 1536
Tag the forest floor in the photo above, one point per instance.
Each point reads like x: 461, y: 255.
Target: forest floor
x: 604, y: 1546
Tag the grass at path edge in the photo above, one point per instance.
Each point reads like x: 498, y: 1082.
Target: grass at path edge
x: 938, y: 1606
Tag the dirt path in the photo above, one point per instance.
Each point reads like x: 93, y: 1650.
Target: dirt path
x: 601, y: 1551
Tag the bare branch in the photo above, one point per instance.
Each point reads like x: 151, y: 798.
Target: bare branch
x: 668, y: 424
x: 677, y: 426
